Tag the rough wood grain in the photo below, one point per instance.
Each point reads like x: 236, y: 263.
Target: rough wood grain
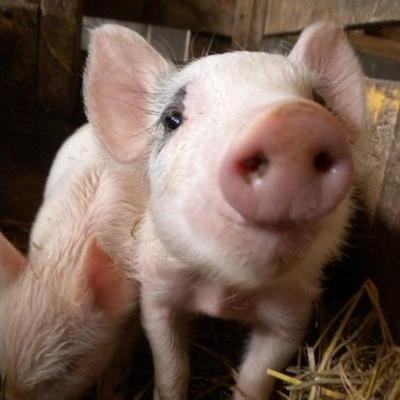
x: 248, y: 27
x: 18, y: 53
x: 59, y: 51
x: 376, y: 45
x: 380, y: 190
x: 383, y: 113
x: 287, y: 16
x: 205, y: 15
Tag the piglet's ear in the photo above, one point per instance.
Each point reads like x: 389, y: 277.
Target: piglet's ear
x: 112, y: 291
x: 12, y: 262
x: 120, y: 73
x: 323, y: 47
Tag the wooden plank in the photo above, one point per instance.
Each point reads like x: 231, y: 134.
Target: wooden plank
x: 204, y: 16
x: 248, y: 27
x: 18, y: 53
x: 59, y: 52
x: 377, y: 142
x: 383, y: 247
x: 287, y: 16
x: 379, y: 56
x: 375, y: 45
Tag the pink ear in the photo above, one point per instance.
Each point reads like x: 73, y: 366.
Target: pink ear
x: 112, y: 291
x: 323, y: 47
x: 121, y: 71
x: 12, y: 262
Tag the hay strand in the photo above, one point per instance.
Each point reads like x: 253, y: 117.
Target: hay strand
x: 351, y: 359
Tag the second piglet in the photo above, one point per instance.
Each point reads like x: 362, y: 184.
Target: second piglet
x: 65, y: 307
x: 250, y: 166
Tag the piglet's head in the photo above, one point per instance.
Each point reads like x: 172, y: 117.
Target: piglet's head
x: 250, y: 154
x: 58, y: 326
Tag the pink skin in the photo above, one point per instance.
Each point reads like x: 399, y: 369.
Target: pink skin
x: 214, y: 238
x: 64, y: 307
x: 291, y: 165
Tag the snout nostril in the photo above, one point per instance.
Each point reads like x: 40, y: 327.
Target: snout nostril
x: 323, y: 162
x: 257, y: 163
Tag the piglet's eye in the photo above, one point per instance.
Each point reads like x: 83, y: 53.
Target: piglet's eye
x: 172, y: 120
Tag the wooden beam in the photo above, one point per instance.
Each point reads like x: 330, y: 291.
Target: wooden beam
x: 290, y: 16
x: 376, y: 45
x: 18, y: 53
x: 248, y: 27
x: 59, y: 51
x: 198, y: 15
x: 387, y: 32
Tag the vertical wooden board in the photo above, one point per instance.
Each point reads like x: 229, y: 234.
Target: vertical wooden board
x: 242, y: 23
x: 383, y: 112
x: 260, y: 10
x: 389, y: 206
x: 248, y: 26
x: 18, y: 53
x: 59, y: 51
x: 380, y: 186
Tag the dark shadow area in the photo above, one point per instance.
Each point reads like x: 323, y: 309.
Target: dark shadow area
x: 382, y: 261
x: 344, y: 276
x: 29, y: 141
x: 370, y: 252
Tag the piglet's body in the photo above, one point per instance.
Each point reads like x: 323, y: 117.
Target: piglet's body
x: 250, y: 168
x: 62, y: 310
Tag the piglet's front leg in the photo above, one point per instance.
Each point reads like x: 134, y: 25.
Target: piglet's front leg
x: 165, y: 329
x: 270, y: 346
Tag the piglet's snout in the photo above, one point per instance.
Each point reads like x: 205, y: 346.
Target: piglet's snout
x: 291, y: 164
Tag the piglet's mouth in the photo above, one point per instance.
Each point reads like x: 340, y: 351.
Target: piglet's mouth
x: 282, y: 226
x: 279, y: 227
x: 231, y: 219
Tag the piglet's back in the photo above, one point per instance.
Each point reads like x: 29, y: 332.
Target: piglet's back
x: 63, y: 310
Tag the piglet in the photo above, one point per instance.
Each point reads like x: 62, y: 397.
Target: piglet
x: 64, y: 307
x: 251, y: 159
